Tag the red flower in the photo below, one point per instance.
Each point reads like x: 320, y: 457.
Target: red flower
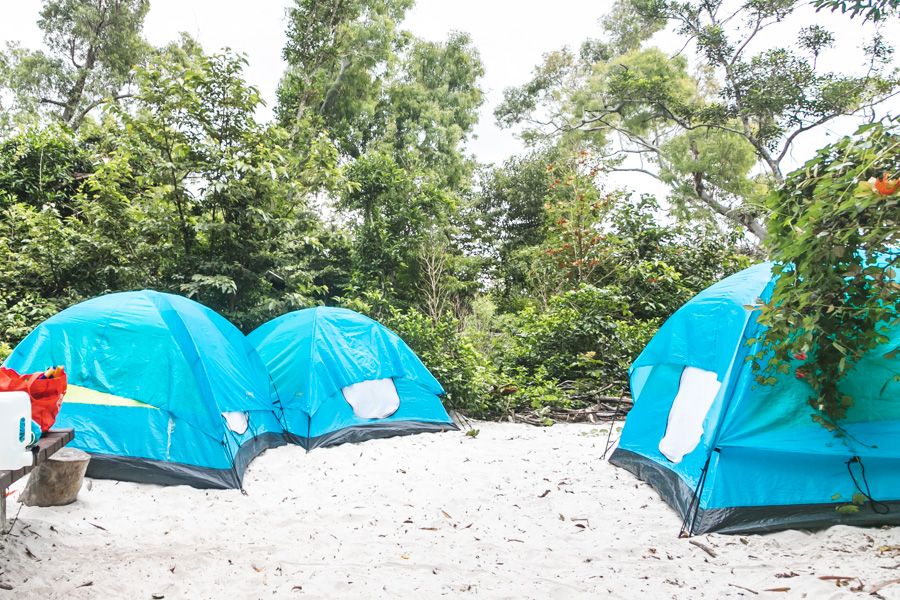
x: 800, y: 355
x: 885, y: 186
x: 800, y: 374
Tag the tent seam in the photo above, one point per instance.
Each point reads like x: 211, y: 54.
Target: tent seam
x: 154, y: 296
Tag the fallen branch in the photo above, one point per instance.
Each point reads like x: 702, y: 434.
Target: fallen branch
x: 878, y: 587
x: 703, y: 547
x: 608, y: 410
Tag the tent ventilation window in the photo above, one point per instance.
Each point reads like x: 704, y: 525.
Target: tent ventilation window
x: 372, y: 399
x: 238, y: 422
x: 696, y: 393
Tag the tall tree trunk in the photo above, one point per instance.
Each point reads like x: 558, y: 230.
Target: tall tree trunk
x: 77, y: 92
x: 734, y: 214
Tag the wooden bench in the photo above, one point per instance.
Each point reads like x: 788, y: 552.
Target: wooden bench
x: 49, y: 444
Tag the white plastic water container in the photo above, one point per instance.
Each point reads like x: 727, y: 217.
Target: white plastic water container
x: 15, y: 430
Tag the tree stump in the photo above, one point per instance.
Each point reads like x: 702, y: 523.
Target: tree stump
x: 57, y: 481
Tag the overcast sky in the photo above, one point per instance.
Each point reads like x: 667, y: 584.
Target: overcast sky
x: 511, y: 36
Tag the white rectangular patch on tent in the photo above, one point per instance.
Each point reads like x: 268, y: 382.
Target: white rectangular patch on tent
x: 696, y: 393
x: 238, y: 422
x: 372, y: 399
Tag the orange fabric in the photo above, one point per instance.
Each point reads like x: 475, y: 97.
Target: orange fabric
x: 46, y: 393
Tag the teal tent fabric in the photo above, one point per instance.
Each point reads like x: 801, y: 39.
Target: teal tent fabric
x: 151, y: 379
x: 761, y: 462
x: 313, y: 354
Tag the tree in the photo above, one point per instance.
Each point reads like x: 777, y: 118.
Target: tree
x: 43, y: 167
x: 396, y: 212
x: 874, y: 10
x: 398, y: 109
x: 405, y: 186
x: 835, y: 232
x: 338, y: 53
x: 575, y: 208
x: 507, y: 218
x: 430, y: 106
x: 230, y: 194
x: 93, y: 49
x: 69, y: 229
x: 546, y: 225
x: 353, y: 73
x: 718, y: 140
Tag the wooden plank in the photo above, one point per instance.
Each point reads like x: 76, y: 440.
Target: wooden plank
x: 49, y: 443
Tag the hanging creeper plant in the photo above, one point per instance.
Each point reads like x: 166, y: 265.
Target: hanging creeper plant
x: 834, y: 233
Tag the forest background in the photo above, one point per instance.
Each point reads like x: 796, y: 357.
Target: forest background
x: 526, y: 287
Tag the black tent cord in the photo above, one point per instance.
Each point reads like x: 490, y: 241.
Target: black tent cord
x: 878, y: 507
x: 237, y: 476
x: 281, y: 418
x: 611, y: 425
x: 693, y: 509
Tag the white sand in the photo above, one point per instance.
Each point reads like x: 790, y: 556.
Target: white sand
x: 421, y: 517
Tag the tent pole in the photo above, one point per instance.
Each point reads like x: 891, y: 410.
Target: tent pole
x: 694, y: 504
x: 234, y: 470
x: 611, y: 425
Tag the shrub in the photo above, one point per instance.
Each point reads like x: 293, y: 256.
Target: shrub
x: 584, y: 342
x: 464, y: 373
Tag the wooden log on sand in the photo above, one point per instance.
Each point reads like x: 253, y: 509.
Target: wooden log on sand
x: 56, y: 481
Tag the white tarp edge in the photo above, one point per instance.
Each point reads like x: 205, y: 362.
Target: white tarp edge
x: 237, y: 421
x: 373, y: 399
x: 696, y: 392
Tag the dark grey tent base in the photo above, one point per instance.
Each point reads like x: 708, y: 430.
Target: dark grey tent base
x: 142, y: 470
x: 747, y: 519
x: 361, y: 433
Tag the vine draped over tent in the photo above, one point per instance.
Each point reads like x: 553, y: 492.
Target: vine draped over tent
x: 835, y: 231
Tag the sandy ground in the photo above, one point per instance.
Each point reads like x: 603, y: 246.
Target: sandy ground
x: 516, y: 512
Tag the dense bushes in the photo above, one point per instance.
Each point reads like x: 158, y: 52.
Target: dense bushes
x: 583, y: 341
x: 463, y: 372
x: 529, y: 287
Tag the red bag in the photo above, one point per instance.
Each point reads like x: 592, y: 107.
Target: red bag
x: 46, y: 393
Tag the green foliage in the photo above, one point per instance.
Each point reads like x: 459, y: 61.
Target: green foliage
x: 530, y: 287
x: 874, y: 10
x: 231, y: 186
x: 93, y: 48
x: 185, y: 192
x: 835, y: 232
x: 368, y: 84
x: 38, y: 166
x: 717, y: 135
x: 584, y: 340
x: 396, y: 211
x: 547, y: 228
x: 398, y: 110
x: 574, y: 208
x: 508, y: 218
x: 587, y: 277
x: 338, y: 53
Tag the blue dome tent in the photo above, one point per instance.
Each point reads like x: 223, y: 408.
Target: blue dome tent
x: 161, y: 389
x: 732, y: 455
x: 342, y: 377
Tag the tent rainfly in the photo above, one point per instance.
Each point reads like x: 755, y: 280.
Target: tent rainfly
x: 342, y: 377
x: 732, y: 455
x: 161, y: 389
